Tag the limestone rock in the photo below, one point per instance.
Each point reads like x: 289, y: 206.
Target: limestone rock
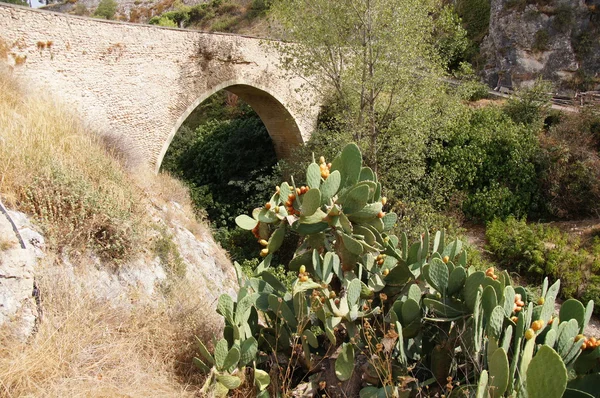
x: 555, y: 39
x: 18, y: 309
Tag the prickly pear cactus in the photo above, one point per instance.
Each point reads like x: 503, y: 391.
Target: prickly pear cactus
x: 415, y: 316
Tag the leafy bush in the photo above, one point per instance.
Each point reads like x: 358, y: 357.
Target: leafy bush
x: 571, y: 172
x: 106, y: 9
x: 563, y: 17
x: 530, y: 105
x: 541, y: 40
x: 537, y: 251
x: 492, y: 160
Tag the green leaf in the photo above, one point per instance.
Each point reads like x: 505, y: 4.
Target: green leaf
x: 313, y: 175
x: 498, y: 372
x: 351, y: 161
x: 572, y: 309
x: 231, y: 382
x: 248, y: 351
x: 232, y: 359
x: 351, y: 244
x: 204, y: 352
x: 311, y: 202
x: 344, y: 364
x: 438, y: 276
x: 221, y: 351
x: 261, y: 379
x: 389, y: 220
x: 546, y: 374
x: 273, y: 281
x: 201, y: 365
x: 356, y: 199
x: 330, y: 187
x: 245, y: 222
x: 276, y: 240
x: 366, y: 174
x: 225, y: 307
x: 312, y: 340
x: 353, y: 291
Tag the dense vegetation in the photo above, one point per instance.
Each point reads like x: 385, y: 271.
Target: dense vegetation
x: 443, y: 160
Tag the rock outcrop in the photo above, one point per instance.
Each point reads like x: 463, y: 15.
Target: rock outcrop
x: 553, y: 39
x: 144, y: 280
x: 19, y: 252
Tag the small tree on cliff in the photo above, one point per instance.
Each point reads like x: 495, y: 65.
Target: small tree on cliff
x: 376, y: 56
x: 106, y: 9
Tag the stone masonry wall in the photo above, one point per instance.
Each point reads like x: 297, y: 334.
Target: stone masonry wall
x: 139, y: 82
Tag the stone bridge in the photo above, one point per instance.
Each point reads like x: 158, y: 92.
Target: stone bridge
x: 140, y: 82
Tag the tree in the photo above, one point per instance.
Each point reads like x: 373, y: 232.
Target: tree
x: 375, y: 57
x: 17, y: 2
x: 106, y: 9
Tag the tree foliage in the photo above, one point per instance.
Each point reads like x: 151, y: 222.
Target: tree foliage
x: 106, y: 9
x: 374, y: 57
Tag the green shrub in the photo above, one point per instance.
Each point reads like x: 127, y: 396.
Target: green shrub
x: 537, y: 251
x: 541, y: 40
x: 166, y: 250
x: 571, y: 165
x: 106, y: 9
x: 563, y: 17
x: 530, y: 105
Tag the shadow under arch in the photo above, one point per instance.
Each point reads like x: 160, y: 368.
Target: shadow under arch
x: 279, y: 122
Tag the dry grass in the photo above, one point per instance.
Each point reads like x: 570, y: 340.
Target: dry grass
x: 82, y: 198
x: 51, y: 167
x: 86, y: 348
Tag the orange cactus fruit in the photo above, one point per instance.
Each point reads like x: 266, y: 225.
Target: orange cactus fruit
x: 529, y: 334
x: 518, y: 297
x: 446, y: 259
x: 268, y: 206
x: 385, y: 272
x: 541, y: 301
x: 263, y: 242
x: 537, y: 325
x: 380, y: 214
x: 329, y: 165
x: 303, y: 278
x: 264, y: 252
x: 291, y: 196
x: 579, y: 337
x: 277, y: 189
x: 383, y: 200
x: 322, y: 159
x: 515, y: 319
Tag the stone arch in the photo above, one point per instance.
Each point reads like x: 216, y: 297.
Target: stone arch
x: 279, y: 122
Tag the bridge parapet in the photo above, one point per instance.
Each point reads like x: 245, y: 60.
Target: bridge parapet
x: 139, y: 82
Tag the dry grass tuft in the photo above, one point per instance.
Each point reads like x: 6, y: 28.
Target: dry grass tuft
x: 51, y: 167
x: 86, y: 348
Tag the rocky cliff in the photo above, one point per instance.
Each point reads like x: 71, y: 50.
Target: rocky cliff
x: 557, y: 40
x: 145, y: 280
